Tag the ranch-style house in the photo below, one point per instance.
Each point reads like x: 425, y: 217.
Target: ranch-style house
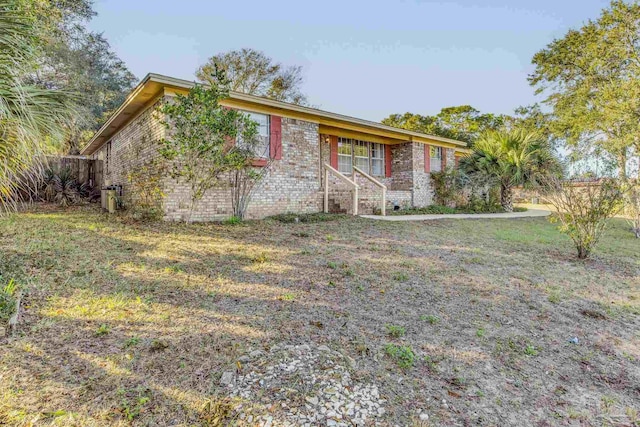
x: 317, y: 160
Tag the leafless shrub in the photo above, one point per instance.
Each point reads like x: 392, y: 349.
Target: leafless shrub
x: 583, y: 211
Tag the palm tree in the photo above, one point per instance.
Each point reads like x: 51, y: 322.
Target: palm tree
x: 511, y: 158
x: 31, y: 119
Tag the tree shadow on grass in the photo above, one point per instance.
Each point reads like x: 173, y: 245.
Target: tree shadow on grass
x: 194, y: 298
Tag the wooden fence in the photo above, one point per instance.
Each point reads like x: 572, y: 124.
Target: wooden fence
x: 83, y: 169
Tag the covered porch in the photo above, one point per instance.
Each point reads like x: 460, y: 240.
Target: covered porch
x: 368, y: 174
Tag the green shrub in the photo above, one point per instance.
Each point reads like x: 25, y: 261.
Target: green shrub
x: 61, y: 187
x: 288, y: 218
x: 395, y: 331
x: 132, y: 342
x: 448, y: 186
x: 8, y: 300
x: 475, y: 208
x: 430, y: 318
x: 145, y: 196
x: 133, y: 401
x: 102, y: 330
x: 400, y: 276
x: 232, y: 220
x: 403, y: 355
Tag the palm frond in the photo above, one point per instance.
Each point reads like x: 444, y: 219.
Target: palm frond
x: 31, y: 119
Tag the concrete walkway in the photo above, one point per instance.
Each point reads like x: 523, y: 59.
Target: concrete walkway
x: 531, y: 213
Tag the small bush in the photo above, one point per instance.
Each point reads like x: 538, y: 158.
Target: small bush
x: 531, y: 350
x: 583, y: 211
x: 102, y: 330
x: 260, y: 258
x: 289, y: 218
x: 61, y: 187
x: 133, y: 401
x: 232, y: 220
x: 8, y: 300
x: 400, y: 276
x: 395, y: 331
x: 132, y: 342
x: 174, y: 269
x: 448, y: 186
x: 159, y: 344
x: 404, y: 356
x: 145, y: 196
x: 430, y: 318
x: 476, y: 208
x: 287, y: 297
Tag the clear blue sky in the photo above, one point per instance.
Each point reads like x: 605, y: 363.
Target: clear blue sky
x: 366, y: 58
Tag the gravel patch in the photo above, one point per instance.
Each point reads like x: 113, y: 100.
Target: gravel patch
x: 310, y: 385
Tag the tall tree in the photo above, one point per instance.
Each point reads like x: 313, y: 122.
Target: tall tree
x: 85, y: 65
x: 463, y: 123
x: 75, y: 59
x: 591, y: 79
x: 511, y: 158
x: 31, y: 118
x: 251, y: 71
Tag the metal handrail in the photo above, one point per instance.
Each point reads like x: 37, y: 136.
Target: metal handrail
x: 383, y: 210
x: 327, y: 169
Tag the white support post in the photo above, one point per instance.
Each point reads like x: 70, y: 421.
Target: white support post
x: 383, y: 208
x: 355, y: 201
x: 326, y: 190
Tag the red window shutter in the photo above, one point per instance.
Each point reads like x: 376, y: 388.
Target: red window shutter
x: 387, y: 161
x: 457, y: 159
x: 333, y: 142
x: 427, y: 158
x: 444, y: 159
x: 275, y: 146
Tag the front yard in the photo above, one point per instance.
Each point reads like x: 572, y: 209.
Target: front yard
x: 356, y: 321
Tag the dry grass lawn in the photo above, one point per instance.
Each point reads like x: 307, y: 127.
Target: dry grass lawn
x: 134, y: 324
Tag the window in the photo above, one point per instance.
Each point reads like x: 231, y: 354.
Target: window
x: 366, y: 156
x: 436, y: 159
x: 261, y: 148
x: 361, y: 155
x: 344, y: 155
x: 377, y: 159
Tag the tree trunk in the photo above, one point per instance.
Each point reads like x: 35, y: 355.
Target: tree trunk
x: 622, y: 165
x: 506, y: 197
x: 583, y: 252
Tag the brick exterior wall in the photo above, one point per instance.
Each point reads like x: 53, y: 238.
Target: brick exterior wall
x: 292, y: 184
x: 133, y: 149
